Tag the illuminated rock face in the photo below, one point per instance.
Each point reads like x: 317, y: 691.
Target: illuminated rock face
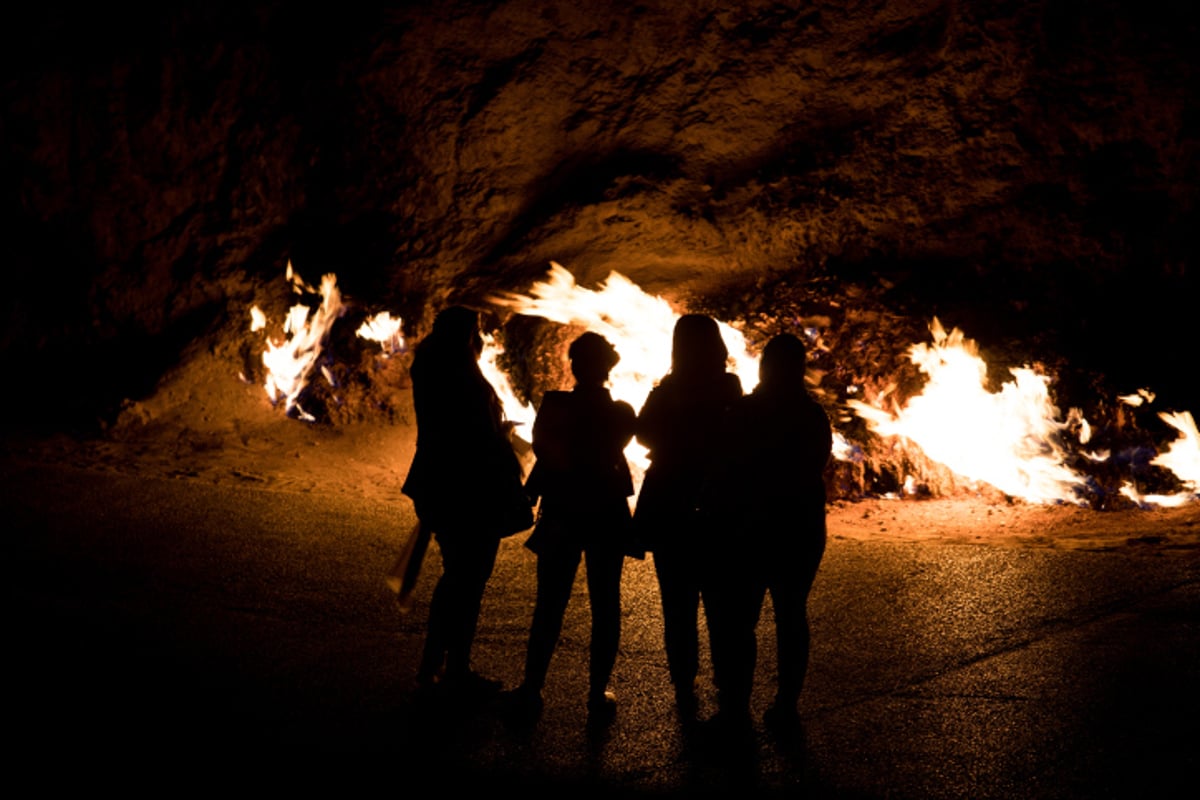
x: 1025, y: 170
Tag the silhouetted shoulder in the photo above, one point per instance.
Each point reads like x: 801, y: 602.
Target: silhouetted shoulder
x: 732, y: 385
x: 624, y: 414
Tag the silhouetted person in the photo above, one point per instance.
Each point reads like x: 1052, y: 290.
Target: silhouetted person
x: 680, y: 424
x: 465, y: 484
x: 584, y: 483
x: 779, y: 442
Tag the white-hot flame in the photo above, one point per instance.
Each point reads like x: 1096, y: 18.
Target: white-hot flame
x: 384, y: 329
x: 638, y: 325
x: 290, y: 361
x: 1183, y: 455
x: 515, y: 410
x: 1008, y: 439
x: 1128, y: 490
x: 1136, y: 399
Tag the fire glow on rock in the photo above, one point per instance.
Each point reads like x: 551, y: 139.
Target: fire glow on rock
x: 1013, y: 439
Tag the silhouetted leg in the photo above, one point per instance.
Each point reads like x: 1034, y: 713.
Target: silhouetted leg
x: 467, y: 564
x: 789, y: 595
x: 791, y: 638
x: 441, y: 613
x: 680, y: 594
x: 604, y: 567
x: 434, y: 653
x: 555, y: 577
x: 732, y: 606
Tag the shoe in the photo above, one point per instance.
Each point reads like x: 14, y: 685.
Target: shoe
x: 782, y: 717
x: 428, y: 677
x: 686, y: 702
x: 470, y: 685
x: 521, y: 706
x: 731, y: 721
x: 728, y: 732
x: 601, y: 707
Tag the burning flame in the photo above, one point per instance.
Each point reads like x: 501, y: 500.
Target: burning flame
x: 1136, y: 399
x: 291, y: 360
x: 515, y: 410
x: 638, y: 325
x: 1183, y: 456
x: 1009, y: 439
x: 384, y: 329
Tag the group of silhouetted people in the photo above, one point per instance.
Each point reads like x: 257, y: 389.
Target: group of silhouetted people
x: 731, y: 507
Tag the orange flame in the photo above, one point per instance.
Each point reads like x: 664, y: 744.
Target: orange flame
x: 290, y: 361
x: 638, y: 325
x: 384, y: 329
x: 1009, y: 439
x: 1183, y: 456
x: 515, y: 410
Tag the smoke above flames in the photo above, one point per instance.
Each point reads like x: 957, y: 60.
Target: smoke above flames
x: 1014, y: 439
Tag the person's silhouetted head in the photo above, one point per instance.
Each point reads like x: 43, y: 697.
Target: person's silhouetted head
x: 783, y: 363
x: 592, y: 358
x: 449, y: 356
x: 697, y: 347
x: 458, y: 324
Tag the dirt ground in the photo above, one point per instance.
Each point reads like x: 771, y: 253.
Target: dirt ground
x: 206, y: 425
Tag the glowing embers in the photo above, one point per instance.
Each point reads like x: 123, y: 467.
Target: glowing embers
x: 1009, y: 439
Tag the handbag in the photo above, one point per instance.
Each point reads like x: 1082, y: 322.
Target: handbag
x: 402, y: 577
x: 514, y: 511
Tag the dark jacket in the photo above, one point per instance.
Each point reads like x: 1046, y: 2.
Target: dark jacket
x: 464, y: 477
x: 681, y: 424
x: 779, y: 443
x: 581, y: 473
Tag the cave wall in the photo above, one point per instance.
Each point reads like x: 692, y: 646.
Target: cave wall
x: 1025, y: 169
